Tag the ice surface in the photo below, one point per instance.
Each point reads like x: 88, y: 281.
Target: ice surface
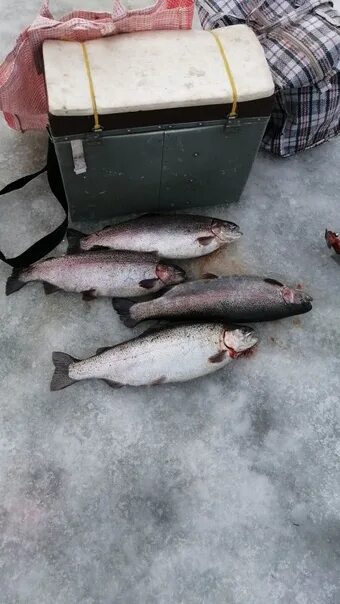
x: 222, y: 491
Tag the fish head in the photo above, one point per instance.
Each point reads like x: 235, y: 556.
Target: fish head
x: 297, y: 298
x: 333, y: 240
x: 170, y: 274
x: 225, y: 231
x: 239, y: 341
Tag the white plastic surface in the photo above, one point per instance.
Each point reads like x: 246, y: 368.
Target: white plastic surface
x: 155, y: 70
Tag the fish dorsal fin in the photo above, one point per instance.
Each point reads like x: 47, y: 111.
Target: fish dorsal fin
x: 103, y: 349
x: 273, y: 282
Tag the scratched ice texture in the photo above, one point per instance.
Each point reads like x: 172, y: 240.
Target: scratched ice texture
x: 221, y: 491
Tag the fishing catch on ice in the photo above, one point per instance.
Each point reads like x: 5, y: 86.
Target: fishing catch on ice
x: 235, y: 299
x: 173, y: 354
x: 100, y: 273
x: 169, y: 235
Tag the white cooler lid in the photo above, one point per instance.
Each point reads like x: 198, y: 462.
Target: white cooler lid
x: 155, y: 70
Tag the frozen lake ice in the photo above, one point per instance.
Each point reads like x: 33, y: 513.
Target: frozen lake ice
x: 223, y: 490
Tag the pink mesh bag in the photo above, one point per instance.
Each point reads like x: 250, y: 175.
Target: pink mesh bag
x: 23, y: 97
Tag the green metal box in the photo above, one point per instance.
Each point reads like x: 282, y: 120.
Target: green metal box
x: 165, y: 156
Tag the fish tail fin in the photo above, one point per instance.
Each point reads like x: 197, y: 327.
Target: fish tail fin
x: 60, y: 378
x: 123, y: 307
x: 73, y: 240
x: 14, y: 283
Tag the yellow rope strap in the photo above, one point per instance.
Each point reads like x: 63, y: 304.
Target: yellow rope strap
x: 233, y: 112
x: 97, y: 125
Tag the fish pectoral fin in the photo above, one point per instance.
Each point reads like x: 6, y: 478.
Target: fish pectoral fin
x: 205, y: 240
x: 209, y: 276
x: 148, y: 283
x: 113, y: 384
x: 89, y: 295
x: 49, y: 288
x: 159, y: 381
x: 103, y: 349
x: 218, y: 358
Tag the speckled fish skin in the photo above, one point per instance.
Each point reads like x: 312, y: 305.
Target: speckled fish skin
x: 173, y: 354
x: 101, y: 273
x: 235, y: 299
x: 171, y: 236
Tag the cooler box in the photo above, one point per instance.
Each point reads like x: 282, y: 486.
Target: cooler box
x: 141, y: 122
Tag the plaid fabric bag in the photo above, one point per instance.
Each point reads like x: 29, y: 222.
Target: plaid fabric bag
x: 301, y: 40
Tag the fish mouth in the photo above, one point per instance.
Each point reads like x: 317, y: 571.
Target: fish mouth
x: 304, y: 301
x: 307, y: 304
x: 306, y: 298
x: 296, y: 297
x: 225, y: 231
x: 170, y: 274
x: 239, y: 341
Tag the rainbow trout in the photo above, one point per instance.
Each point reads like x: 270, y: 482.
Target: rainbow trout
x: 172, y: 354
x: 236, y: 299
x: 169, y: 235
x: 100, y: 273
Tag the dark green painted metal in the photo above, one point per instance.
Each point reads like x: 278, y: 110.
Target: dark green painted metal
x: 209, y: 166
x: 161, y: 169
x: 122, y: 177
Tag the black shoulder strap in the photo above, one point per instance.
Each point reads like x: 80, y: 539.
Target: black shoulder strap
x: 42, y: 247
